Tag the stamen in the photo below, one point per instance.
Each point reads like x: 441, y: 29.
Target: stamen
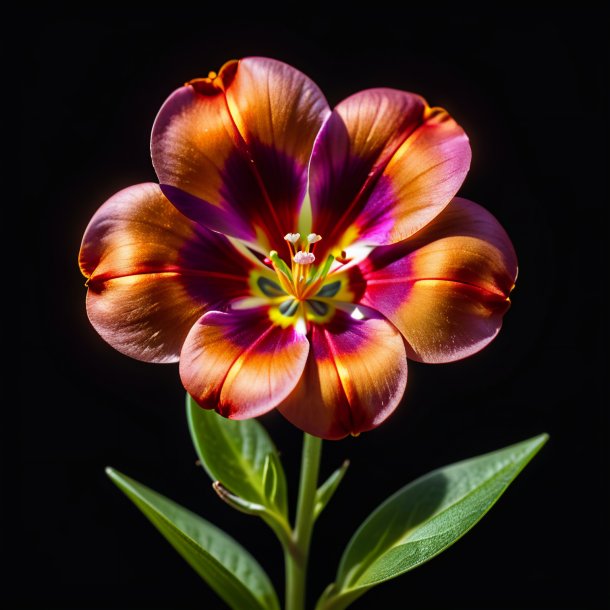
x: 284, y: 274
x: 304, y: 258
x: 300, y: 282
x: 322, y: 272
x: 280, y: 265
x: 343, y: 259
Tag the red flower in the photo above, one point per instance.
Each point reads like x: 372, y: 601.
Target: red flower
x: 294, y: 257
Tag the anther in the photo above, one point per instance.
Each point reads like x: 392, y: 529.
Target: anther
x: 312, y: 238
x: 342, y: 258
x: 293, y: 238
x: 304, y: 258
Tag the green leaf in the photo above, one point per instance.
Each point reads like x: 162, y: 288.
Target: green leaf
x: 222, y: 562
x: 423, y: 519
x: 326, y: 491
x: 271, y: 478
x: 240, y: 455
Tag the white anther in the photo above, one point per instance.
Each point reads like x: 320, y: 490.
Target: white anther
x: 304, y: 258
x: 293, y: 238
x: 312, y: 238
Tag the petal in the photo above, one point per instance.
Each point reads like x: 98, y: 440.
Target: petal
x: 240, y: 364
x: 447, y: 287
x: 232, y: 153
x: 152, y: 272
x: 146, y: 317
x: 355, y: 377
x: 383, y: 166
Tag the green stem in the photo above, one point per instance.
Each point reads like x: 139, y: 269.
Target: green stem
x: 296, y: 558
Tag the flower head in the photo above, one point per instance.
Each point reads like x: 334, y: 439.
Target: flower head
x: 219, y: 266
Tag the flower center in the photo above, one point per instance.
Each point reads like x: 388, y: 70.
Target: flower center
x: 303, y: 278
x: 302, y: 292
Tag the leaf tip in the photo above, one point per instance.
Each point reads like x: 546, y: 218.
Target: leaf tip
x: 541, y: 439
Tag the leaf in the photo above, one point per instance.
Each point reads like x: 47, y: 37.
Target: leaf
x: 326, y: 491
x: 221, y: 561
x: 270, y: 478
x: 241, y: 455
x: 423, y: 519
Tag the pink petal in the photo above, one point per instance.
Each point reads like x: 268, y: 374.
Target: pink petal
x: 384, y: 165
x: 152, y: 273
x: 240, y: 364
x: 447, y: 287
x: 355, y: 377
x: 232, y: 152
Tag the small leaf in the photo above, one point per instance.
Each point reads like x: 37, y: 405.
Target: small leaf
x: 240, y: 455
x: 222, y: 562
x: 327, y: 489
x: 270, y: 478
x: 423, y: 519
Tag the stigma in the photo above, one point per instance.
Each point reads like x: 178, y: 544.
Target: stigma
x: 304, y: 258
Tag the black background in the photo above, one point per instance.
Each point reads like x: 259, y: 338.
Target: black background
x: 530, y: 90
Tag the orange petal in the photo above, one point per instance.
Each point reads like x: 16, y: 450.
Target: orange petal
x: 355, y: 377
x: 146, y: 316
x: 447, y: 287
x: 233, y: 155
x: 240, y: 364
x: 152, y: 272
x: 383, y: 166
x: 278, y: 112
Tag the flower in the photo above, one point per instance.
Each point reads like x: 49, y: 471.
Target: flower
x: 293, y: 257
